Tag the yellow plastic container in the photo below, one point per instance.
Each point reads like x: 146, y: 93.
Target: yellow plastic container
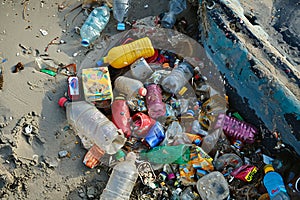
x: 124, y: 55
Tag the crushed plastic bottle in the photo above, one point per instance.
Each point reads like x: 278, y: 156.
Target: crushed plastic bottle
x: 120, y: 10
x: 94, y: 25
x: 179, y: 76
x: 122, y: 180
x: 213, y: 186
x: 175, y: 8
x: 167, y: 154
x: 173, y: 130
x: 92, y: 126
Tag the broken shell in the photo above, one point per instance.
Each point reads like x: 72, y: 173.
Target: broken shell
x: 43, y: 32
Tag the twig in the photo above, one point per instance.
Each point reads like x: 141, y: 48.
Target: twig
x: 51, y: 43
x: 25, y: 3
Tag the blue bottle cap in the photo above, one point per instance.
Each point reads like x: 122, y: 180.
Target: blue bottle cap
x: 121, y: 26
x: 100, y: 62
x: 85, y: 42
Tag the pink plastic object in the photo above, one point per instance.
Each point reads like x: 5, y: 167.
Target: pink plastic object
x: 156, y: 108
x: 142, y: 124
x: 121, y: 116
x: 237, y: 129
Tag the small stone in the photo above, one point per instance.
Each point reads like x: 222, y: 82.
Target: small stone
x: 63, y: 154
x: 81, y: 193
x: 34, y: 113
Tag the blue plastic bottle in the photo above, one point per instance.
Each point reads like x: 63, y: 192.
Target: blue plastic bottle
x: 94, y: 25
x: 274, y: 184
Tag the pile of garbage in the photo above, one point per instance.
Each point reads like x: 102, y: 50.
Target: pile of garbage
x: 155, y: 116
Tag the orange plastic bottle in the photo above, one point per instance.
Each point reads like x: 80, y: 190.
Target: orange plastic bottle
x: 124, y: 55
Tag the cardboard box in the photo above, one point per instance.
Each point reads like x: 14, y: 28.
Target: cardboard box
x: 97, y: 84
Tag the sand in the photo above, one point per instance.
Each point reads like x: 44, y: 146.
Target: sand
x: 30, y: 167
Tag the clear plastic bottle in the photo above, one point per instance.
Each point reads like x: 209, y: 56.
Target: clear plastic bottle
x: 130, y: 87
x: 274, y: 184
x: 173, y: 130
x: 92, y: 126
x: 122, y: 180
x: 120, y: 10
x: 94, y: 25
x: 179, y: 76
x: 175, y: 7
x: 156, y: 107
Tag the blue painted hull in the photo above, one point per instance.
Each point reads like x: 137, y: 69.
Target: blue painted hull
x: 263, y: 78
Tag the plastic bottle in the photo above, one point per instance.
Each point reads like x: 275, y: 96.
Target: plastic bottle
x: 130, y: 87
x: 141, y: 124
x: 121, y: 115
x: 175, y: 7
x: 94, y: 25
x: 120, y: 10
x: 274, y: 184
x: 156, y: 108
x: 179, y: 76
x: 237, y: 129
x: 173, y: 129
x: 179, y: 154
x: 92, y: 126
x: 213, y: 186
x: 155, y: 135
x: 124, y: 55
x: 122, y: 180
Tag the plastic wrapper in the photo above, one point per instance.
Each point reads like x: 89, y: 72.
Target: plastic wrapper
x: 244, y: 173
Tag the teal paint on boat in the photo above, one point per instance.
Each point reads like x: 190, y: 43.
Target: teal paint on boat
x: 258, y: 83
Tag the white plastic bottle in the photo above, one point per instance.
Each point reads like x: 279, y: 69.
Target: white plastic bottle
x: 92, y: 126
x: 122, y: 180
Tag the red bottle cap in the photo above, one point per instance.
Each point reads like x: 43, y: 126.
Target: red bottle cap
x: 62, y: 101
x: 142, y: 91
